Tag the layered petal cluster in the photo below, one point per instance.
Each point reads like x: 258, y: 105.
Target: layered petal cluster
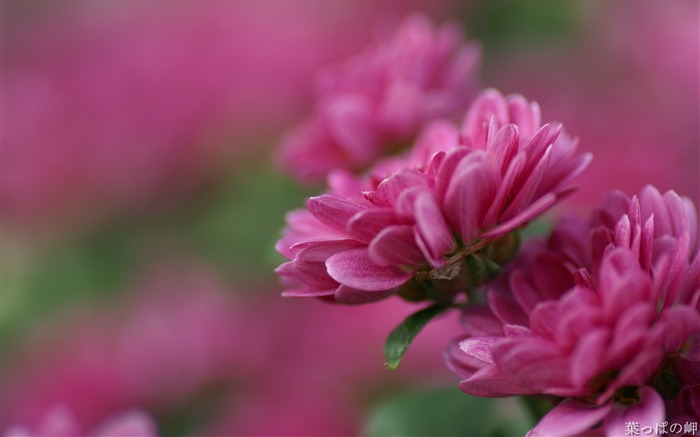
x: 603, y: 316
x: 380, y: 98
x: 429, y: 219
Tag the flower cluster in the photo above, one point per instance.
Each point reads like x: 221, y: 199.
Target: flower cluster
x: 603, y: 316
x: 381, y: 97
x: 415, y: 220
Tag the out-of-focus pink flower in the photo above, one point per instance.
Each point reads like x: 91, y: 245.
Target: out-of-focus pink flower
x: 166, y: 344
x: 628, y: 87
x: 185, y: 339
x: 420, y: 216
x: 656, y: 36
x: 59, y: 423
x: 377, y: 100
x: 111, y: 109
x: 604, y: 316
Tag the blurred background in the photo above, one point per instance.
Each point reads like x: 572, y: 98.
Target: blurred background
x: 140, y: 205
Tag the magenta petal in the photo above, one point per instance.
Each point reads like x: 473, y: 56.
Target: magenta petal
x: 332, y: 211
x: 490, y: 104
x: 354, y: 269
x: 504, y: 144
x: 528, y: 190
x: 490, y: 382
x: 512, y: 173
x: 365, y: 225
x: 470, y: 192
x: 526, y: 115
x: 649, y: 411
x: 313, y: 274
x: 480, y: 347
x: 307, y: 292
x: 544, y: 319
x: 536, y: 208
x: 534, y: 362
x: 390, y: 188
x: 589, y: 355
x: 353, y: 296
x: 505, y: 308
x: 395, y: 245
x: 570, y: 417
x: 319, y: 251
x: 652, y: 202
x: 679, y: 323
x: 447, y: 168
x: 432, y: 227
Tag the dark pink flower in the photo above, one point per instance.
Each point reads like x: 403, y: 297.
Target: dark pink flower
x: 417, y: 218
x: 379, y: 99
x: 60, y: 423
x: 604, y: 316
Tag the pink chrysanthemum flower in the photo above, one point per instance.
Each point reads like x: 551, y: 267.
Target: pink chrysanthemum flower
x: 60, y: 423
x: 604, y: 317
x: 431, y: 221
x: 381, y: 97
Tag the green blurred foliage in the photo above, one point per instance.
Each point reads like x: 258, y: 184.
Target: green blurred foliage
x: 446, y: 412
x: 231, y: 229
x: 501, y: 24
x: 238, y: 226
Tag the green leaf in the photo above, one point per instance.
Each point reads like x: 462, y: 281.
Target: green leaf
x: 401, y: 337
x: 446, y: 412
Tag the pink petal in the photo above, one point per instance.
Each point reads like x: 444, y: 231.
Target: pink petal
x: 395, y: 245
x: 513, y: 171
x: 365, y: 225
x: 524, y: 291
x: 504, y: 145
x: 534, y: 362
x: 352, y: 296
x: 354, y: 269
x: 551, y: 275
x: 524, y: 114
x: 447, y: 168
x: 587, y: 358
x: 527, y: 189
x: 307, y: 292
x: 313, y: 274
x: 536, y: 208
x: 390, y: 188
x: 437, y: 136
x: 319, y: 251
x: 489, y: 104
x: 480, y: 348
x: 471, y: 191
x: 332, y: 211
x: 651, y: 202
x: 678, y: 322
x: 490, y: 382
x: 570, y: 417
x: 432, y: 228
x: 505, y: 308
x: 649, y: 411
x: 544, y: 319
